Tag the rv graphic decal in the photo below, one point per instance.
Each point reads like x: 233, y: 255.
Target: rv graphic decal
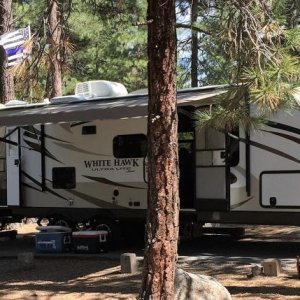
x: 31, y: 135
x: 113, y: 183
x: 66, y: 127
x: 30, y: 186
x: 78, y: 123
x: 283, y: 127
x: 235, y: 206
x: 40, y: 185
x: 37, y: 148
x: 274, y: 151
x: 271, y: 150
x: 37, y: 133
x: 125, y: 164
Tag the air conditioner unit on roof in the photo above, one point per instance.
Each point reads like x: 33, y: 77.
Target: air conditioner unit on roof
x: 100, y: 88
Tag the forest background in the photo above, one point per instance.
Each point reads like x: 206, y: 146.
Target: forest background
x: 253, y: 44
x: 104, y: 39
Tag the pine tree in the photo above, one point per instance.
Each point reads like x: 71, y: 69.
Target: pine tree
x: 55, y: 19
x: 6, y: 75
x: 163, y: 197
x: 262, y: 57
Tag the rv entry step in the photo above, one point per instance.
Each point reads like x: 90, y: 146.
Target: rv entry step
x: 234, y: 232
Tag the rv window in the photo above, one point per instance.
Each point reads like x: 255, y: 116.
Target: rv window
x: 89, y: 130
x: 234, y: 149
x: 130, y: 145
x: 2, y: 164
x: 64, y: 178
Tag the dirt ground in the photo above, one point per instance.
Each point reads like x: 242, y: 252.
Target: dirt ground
x: 68, y: 277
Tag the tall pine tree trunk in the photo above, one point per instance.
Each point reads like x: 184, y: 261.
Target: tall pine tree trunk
x: 54, y: 84
x: 6, y: 75
x: 194, y: 46
x: 292, y: 13
x: 163, y: 197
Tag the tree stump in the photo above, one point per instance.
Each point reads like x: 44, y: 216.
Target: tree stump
x: 128, y: 263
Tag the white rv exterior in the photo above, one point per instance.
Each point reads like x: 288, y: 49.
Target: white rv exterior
x: 252, y: 178
x: 66, y: 164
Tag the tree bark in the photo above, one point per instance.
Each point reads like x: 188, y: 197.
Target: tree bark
x: 54, y: 86
x: 6, y: 76
x: 194, y: 45
x: 163, y: 197
x: 292, y: 13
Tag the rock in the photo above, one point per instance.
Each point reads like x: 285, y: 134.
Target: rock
x: 256, y: 270
x: 189, y: 286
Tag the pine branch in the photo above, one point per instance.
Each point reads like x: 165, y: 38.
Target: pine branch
x: 194, y: 28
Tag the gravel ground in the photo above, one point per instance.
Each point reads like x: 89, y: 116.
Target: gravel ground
x: 87, y: 277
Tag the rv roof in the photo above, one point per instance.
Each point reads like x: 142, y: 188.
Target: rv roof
x: 104, y: 108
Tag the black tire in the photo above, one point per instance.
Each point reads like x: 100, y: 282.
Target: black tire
x: 61, y: 222
x: 81, y: 226
x: 112, y: 228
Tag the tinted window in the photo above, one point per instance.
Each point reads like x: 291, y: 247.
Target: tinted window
x: 89, y: 130
x: 234, y: 149
x: 130, y: 145
x: 64, y: 178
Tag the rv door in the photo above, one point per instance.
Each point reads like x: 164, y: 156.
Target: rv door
x: 13, y: 163
x: 212, y: 190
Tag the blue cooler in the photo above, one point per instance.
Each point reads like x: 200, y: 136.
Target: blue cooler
x: 89, y: 241
x: 53, y: 239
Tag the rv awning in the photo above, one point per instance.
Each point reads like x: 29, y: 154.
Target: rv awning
x: 109, y: 108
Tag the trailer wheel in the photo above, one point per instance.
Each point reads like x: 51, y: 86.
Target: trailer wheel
x: 81, y: 226
x: 2, y: 226
x: 61, y: 222
x: 237, y: 233
x: 112, y: 230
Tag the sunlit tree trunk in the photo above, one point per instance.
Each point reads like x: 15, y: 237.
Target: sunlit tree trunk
x: 194, y: 54
x: 6, y: 75
x: 163, y: 197
x: 292, y: 13
x: 54, y: 85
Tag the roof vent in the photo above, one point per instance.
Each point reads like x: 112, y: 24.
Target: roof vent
x: 66, y: 99
x: 100, y: 88
x: 16, y: 103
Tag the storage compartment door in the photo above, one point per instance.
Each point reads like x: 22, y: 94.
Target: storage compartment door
x: 13, y: 167
x: 280, y: 189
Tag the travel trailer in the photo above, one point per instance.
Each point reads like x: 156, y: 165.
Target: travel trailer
x: 82, y: 161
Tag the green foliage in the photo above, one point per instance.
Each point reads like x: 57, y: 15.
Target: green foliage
x: 28, y: 86
x: 230, y: 112
x: 29, y: 12
x: 249, y: 44
x: 112, y: 48
x: 104, y: 43
x: 244, y: 42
